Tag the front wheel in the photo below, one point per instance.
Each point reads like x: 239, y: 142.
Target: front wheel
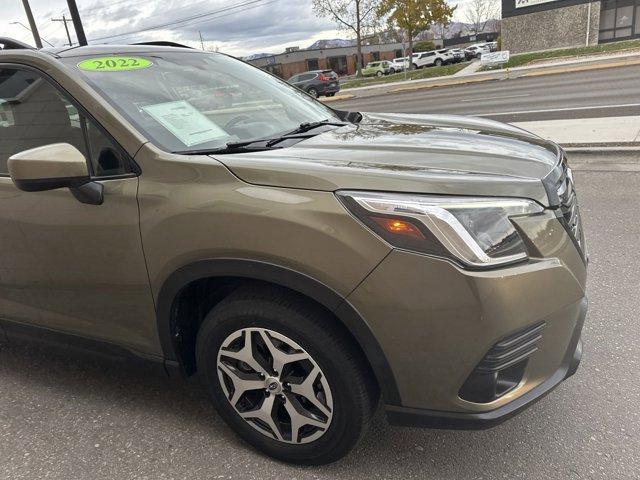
x: 284, y: 376
x: 330, y: 94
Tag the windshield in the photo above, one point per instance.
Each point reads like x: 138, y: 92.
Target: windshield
x: 188, y: 101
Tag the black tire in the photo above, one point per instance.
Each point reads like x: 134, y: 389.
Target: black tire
x: 355, y: 395
x: 313, y: 92
x: 392, y: 71
x: 415, y: 66
x: 438, y: 62
x: 330, y: 94
x: 379, y: 73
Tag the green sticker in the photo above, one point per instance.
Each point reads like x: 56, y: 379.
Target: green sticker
x: 114, y: 64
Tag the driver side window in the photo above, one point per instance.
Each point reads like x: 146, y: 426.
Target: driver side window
x: 33, y: 113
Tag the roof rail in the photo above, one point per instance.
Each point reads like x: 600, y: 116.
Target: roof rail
x: 13, y: 44
x: 162, y: 43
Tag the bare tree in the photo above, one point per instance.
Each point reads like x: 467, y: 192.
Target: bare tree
x: 480, y: 12
x: 356, y: 16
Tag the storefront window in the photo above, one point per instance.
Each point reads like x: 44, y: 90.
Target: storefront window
x: 624, y: 16
x: 619, y: 19
x: 607, y: 19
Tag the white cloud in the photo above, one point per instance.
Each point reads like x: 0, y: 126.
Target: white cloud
x: 264, y: 26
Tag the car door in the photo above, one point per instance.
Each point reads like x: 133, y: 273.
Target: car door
x: 67, y: 265
x: 429, y: 58
x: 295, y: 80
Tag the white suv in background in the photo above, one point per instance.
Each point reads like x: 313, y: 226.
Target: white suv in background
x: 476, y: 51
x: 429, y: 59
x: 399, y: 64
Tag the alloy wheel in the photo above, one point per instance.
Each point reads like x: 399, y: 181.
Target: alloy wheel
x: 275, y: 385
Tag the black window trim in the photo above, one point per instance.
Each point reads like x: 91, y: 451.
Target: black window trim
x: 135, y: 170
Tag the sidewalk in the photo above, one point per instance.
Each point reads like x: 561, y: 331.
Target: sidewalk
x: 601, y: 132
x: 473, y: 67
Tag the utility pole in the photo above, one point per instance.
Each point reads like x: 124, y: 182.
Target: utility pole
x: 64, y: 20
x: 201, y: 41
x: 77, y: 23
x: 32, y: 23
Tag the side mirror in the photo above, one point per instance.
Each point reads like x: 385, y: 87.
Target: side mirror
x: 49, y: 167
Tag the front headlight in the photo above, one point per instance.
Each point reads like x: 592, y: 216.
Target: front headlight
x: 474, y: 231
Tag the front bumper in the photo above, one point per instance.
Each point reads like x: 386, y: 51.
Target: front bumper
x: 329, y: 89
x: 413, y: 417
x: 436, y: 322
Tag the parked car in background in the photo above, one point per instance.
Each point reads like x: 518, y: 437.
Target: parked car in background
x: 430, y: 59
x: 377, y: 69
x: 458, y: 55
x: 317, y: 82
x: 493, y: 46
x: 399, y: 64
x: 475, y: 51
x: 448, y: 56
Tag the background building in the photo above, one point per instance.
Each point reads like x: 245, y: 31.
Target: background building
x: 341, y: 60
x: 530, y: 25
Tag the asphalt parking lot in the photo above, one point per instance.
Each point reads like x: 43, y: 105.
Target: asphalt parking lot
x: 65, y: 416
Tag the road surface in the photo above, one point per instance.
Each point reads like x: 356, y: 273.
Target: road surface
x: 596, y: 93
x: 65, y: 416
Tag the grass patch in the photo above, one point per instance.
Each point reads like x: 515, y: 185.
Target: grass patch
x: 522, y: 59
x: 427, y: 72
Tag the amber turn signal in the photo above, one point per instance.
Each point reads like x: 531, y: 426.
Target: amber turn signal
x: 399, y: 227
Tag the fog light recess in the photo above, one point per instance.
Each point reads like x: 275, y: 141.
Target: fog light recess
x: 503, y: 367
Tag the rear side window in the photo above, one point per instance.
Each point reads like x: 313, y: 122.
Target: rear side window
x: 34, y: 113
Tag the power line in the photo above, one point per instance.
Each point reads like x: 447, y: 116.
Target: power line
x: 184, y: 20
x: 222, y: 16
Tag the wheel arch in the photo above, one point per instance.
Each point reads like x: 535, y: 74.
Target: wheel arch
x: 285, y: 277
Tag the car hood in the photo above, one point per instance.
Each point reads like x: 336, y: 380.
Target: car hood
x: 442, y: 154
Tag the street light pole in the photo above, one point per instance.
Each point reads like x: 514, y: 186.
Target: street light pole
x: 32, y: 22
x: 27, y: 28
x: 77, y: 23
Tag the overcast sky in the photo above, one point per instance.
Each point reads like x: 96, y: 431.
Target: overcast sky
x: 238, y: 27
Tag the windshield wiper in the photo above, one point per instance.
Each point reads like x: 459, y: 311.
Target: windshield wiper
x: 303, y: 129
x: 307, y: 126
x: 264, y: 143
x: 230, y: 147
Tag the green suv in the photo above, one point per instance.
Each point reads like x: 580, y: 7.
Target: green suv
x: 376, y: 69
x: 309, y: 264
